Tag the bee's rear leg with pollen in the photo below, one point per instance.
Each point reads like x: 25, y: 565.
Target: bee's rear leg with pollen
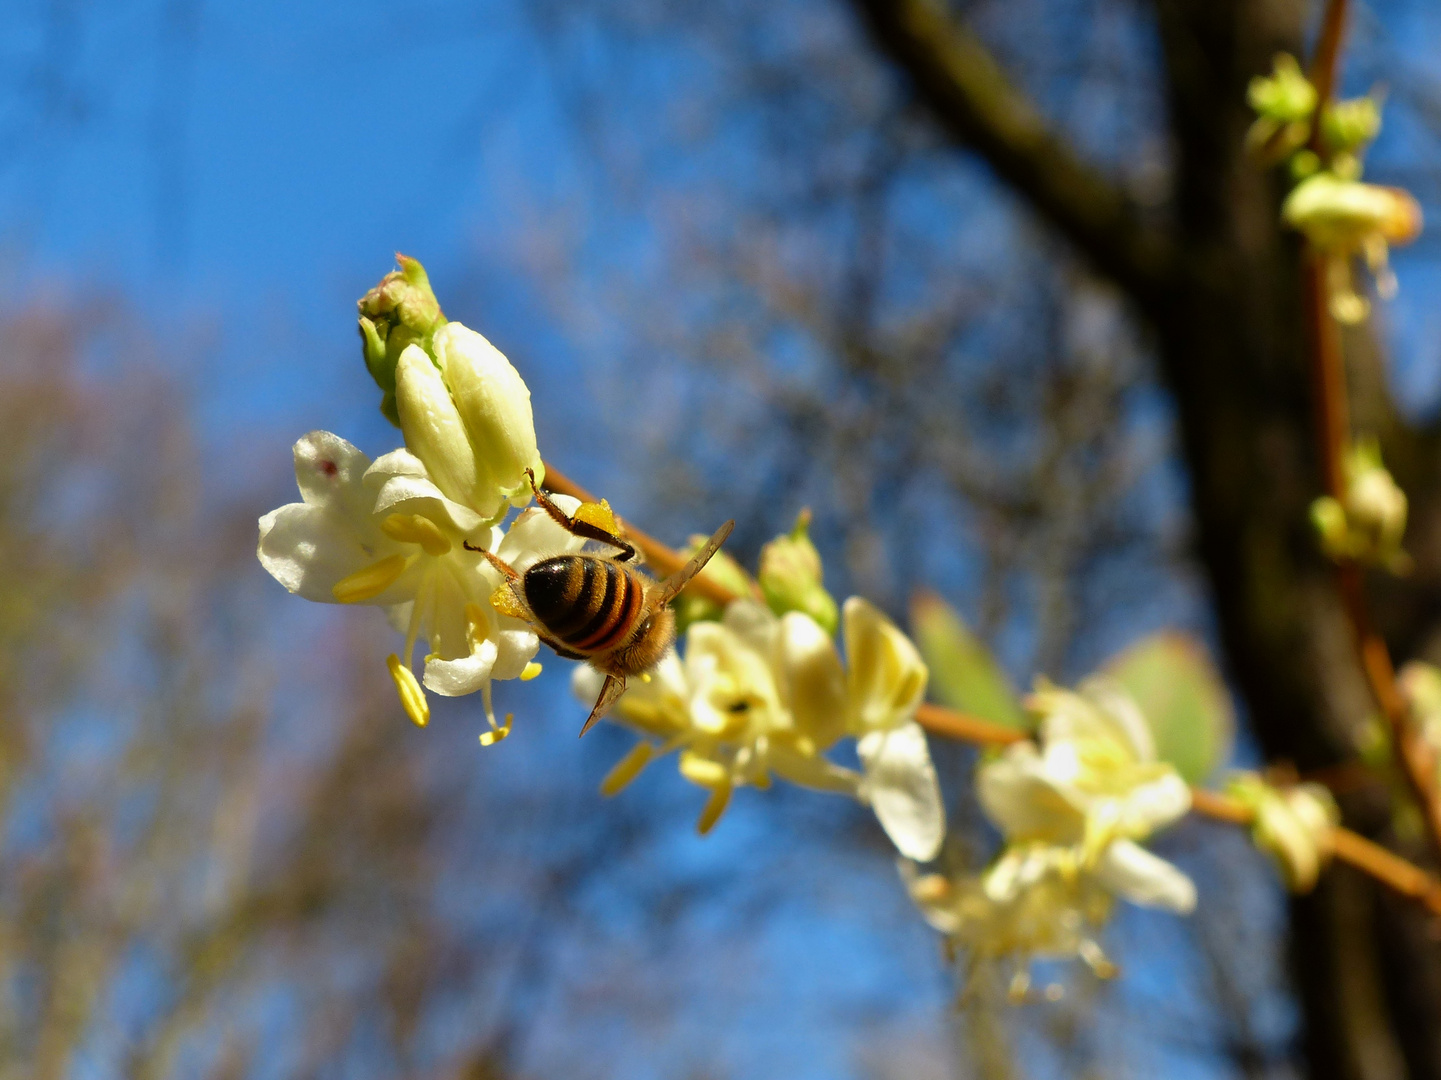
x: 585, y: 529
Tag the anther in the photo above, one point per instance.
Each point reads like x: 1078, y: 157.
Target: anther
x: 720, y: 798
x: 366, y: 584
x: 627, y: 769
x: 530, y: 671
x: 490, y: 738
x: 412, y: 697
x: 415, y: 529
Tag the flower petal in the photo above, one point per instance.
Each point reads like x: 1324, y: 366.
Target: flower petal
x: 886, y: 677
x: 465, y: 675
x: 329, y: 472
x: 1020, y: 796
x: 517, y: 645
x: 309, y: 549
x: 494, y: 403
x: 1133, y: 873
x: 812, y: 681
x: 435, y: 433
x: 1155, y: 804
x: 902, y: 787
x: 813, y: 771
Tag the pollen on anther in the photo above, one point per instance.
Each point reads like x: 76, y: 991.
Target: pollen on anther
x: 412, y: 697
x: 532, y: 669
x: 371, y: 582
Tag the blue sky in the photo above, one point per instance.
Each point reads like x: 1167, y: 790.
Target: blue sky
x: 241, y: 173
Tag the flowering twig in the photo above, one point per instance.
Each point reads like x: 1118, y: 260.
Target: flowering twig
x: 1348, y: 847
x: 1328, y: 378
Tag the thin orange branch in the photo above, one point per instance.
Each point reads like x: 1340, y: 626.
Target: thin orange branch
x: 1348, y: 847
x: 664, y: 559
x: 1333, y: 431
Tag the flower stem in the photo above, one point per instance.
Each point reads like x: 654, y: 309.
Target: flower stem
x: 1329, y: 393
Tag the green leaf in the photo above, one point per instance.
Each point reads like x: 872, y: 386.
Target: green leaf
x: 1172, y: 678
x: 964, y: 674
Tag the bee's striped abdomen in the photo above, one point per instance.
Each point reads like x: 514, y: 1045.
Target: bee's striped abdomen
x: 588, y: 604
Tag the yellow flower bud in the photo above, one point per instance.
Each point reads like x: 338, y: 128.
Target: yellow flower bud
x: 791, y: 574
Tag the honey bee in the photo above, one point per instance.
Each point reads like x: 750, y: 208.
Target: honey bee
x: 599, y: 608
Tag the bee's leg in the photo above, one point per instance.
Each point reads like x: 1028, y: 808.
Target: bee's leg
x: 577, y: 525
x: 500, y: 564
x: 613, y: 688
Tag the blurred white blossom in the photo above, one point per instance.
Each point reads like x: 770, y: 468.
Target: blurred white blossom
x: 1093, y: 788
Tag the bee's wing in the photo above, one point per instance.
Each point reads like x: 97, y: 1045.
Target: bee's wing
x: 614, y: 687
x: 671, y: 586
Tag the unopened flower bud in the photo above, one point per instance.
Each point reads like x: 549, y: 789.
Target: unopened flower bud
x: 1284, y: 102
x: 1294, y: 825
x: 791, y: 574
x: 1350, y: 125
x: 494, y: 404
x: 1342, y: 215
x: 1285, y: 95
x: 434, y: 431
x: 1368, y: 522
x: 402, y: 310
x: 1421, y: 683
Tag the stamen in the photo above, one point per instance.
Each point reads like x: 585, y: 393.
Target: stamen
x: 476, y: 627
x: 497, y: 731
x: 720, y: 798
x: 645, y: 676
x: 415, y: 529
x: 417, y: 610
x: 627, y: 769
x: 1097, y: 960
x: 490, y: 738
x: 702, y: 770
x: 531, y: 670
x: 412, y: 697
x: 366, y: 584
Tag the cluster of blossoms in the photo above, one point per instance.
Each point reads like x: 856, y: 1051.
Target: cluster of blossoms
x: 760, y: 694
x: 409, y: 531
x: 1340, y: 215
x: 767, y: 685
x: 762, y: 689
x: 1343, y: 219
x: 1072, y: 811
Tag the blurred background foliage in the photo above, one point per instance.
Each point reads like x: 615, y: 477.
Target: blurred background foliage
x: 744, y: 269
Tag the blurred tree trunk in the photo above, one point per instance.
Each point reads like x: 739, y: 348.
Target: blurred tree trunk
x: 1217, y: 282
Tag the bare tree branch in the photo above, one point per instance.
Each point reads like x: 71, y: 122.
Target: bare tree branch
x: 969, y: 94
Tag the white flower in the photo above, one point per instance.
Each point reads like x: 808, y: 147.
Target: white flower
x: 385, y: 534
x: 1053, y: 913
x: 466, y: 415
x: 1093, y: 790
x: 755, y: 695
x: 885, y: 684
